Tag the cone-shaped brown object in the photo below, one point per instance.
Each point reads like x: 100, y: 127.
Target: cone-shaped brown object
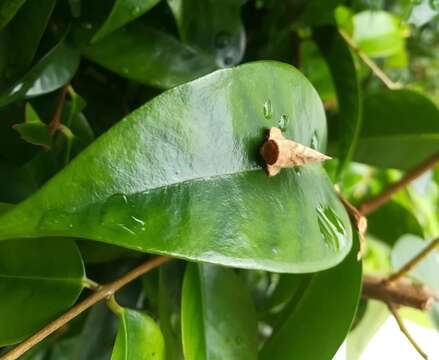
x: 279, y: 153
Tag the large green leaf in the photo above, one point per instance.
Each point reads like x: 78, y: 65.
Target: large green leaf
x: 400, y: 129
x: 39, y: 279
x: 342, y: 66
x: 218, y: 317
x: 8, y: 8
x: 138, y: 338
x: 317, y: 321
x: 213, y: 26
x: 148, y: 56
x: 54, y: 70
x: 123, y: 12
x: 182, y: 176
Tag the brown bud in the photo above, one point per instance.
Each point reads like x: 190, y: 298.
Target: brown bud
x: 279, y: 153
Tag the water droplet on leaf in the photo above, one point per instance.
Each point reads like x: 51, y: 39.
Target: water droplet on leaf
x: 314, y: 141
x: 268, y: 111
x: 283, y: 122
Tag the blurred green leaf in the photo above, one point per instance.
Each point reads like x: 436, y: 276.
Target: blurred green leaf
x: 218, y: 317
x: 322, y: 314
x: 123, y: 12
x: 8, y: 9
x: 400, y: 129
x: 138, y: 338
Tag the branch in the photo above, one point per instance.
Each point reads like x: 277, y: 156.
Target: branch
x: 404, y: 330
x: 402, y: 292
x: 369, y: 62
x: 56, y: 119
x: 413, y: 262
x: 104, y: 292
x: 374, y: 203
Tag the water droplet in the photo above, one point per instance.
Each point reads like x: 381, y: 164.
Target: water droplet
x: 283, y: 122
x: 434, y: 4
x: 298, y: 170
x: 268, y: 110
x: 222, y: 40
x: 274, y: 250
x: 135, y: 11
x: 115, y: 214
x: 314, y: 141
x: 331, y: 227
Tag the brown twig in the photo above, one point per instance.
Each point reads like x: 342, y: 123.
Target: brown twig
x: 374, y: 203
x: 369, y: 62
x: 404, y: 330
x: 104, y: 292
x: 402, y: 292
x: 56, y: 119
x: 413, y: 262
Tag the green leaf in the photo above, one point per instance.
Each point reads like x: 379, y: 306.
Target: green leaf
x: 427, y: 271
x: 33, y: 130
x: 320, y: 12
x: 138, y: 338
x: 8, y: 8
x: 402, y: 220
x: 322, y: 314
x: 378, y: 33
x: 39, y: 279
x: 189, y: 181
x: 342, y: 66
x: 162, y: 61
x: 218, y: 317
x: 54, y: 70
x: 215, y: 27
x: 123, y: 12
x: 375, y: 316
x: 400, y: 129
x: 22, y: 44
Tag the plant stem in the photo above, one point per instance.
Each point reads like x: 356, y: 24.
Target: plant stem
x: 404, y: 330
x: 369, y: 62
x: 413, y: 262
x: 104, y: 292
x: 56, y: 119
x: 374, y: 203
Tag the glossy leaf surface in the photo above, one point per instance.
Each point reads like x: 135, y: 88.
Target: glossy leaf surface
x: 342, y: 66
x: 53, y: 71
x: 218, y: 317
x: 215, y: 27
x: 182, y: 176
x: 400, y: 129
x: 123, y: 12
x: 161, y: 60
x: 138, y: 338
x: 324, y: 311
x: 39, y: 279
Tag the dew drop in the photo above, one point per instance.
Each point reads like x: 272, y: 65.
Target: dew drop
x: 331, y: 228
x: 283, y: 122
x: 314, y: 141
x: 222, y: 40
x: 115, y: 214
x: 268, y: 110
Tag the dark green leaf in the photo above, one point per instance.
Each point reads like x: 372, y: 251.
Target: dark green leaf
x: 320, y: 12
x: 182, y: 176
x: 149, y: 56
x: 53, y: 71
x: 400, y: 129
x: 39, y: 279
x: 342, y: 66
x: 315, y: 325
x: 8, y: 8
x: 218, y: 317
x: 33, y: 130
x: 138, y: 338
x: 215, y: 27
x: 123, y: 12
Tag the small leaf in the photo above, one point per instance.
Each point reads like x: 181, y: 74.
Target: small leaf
x: 33, y: 130
x: 123, y: 12
x: 162, y: 61
x: 322, y: 315
x: 54, y: 70
x: 189, y: 182
x: 39, y: 279
x: 138, y: 338
x: 342, y: 65
x: 400, y: 129
x: 218, y: 317
x: 8, y: 9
